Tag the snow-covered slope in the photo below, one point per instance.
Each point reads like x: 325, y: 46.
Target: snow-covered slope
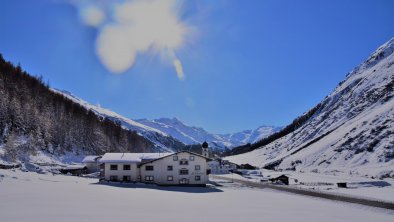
x: 159, y: 138
x: 192, y: 135
x: 251, y: 136
x: 171, y: 134
x: 351, y: 132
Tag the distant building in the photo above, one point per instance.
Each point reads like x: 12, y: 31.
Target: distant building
x: 220, y: 166
x: 75, y: 170
x: 281, y: 179
x: 92, y: 163
x: 181, y: 168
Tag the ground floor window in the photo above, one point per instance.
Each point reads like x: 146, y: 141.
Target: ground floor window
x: 183, y: 181
x: 126, y: 178
x: 170, y: 178
x: 149, y: 178
x: 197, y: 178
x: 113, y: 178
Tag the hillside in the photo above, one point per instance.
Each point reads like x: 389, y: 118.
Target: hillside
x: 159, y: 138
x: 351, y: 130
x: 171, y: 134
x: 35, y: 120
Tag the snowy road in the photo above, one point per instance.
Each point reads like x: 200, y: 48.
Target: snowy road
x: 34, y: 197
x: 325, y: 195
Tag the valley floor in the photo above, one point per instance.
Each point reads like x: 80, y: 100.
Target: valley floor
x: 27, y: 196
x: 358, y: 186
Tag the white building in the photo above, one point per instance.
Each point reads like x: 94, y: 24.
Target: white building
x: 219, y: 166
x: 92, y: 163
x: 181, y: 168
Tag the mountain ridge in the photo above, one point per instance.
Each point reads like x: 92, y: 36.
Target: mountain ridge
x: 169, y: 133
x: 351, y: 130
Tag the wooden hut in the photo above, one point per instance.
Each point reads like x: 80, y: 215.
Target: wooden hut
x: 282, y: 179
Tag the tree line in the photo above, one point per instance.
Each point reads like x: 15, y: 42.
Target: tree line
x: 33, y: 118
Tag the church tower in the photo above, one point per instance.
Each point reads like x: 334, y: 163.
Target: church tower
x: 205, y: 151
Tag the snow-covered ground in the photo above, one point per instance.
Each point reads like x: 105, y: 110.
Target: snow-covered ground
x: 27, y: 196
x: 363, y: 187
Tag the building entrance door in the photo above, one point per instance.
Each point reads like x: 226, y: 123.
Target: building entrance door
x: 183, y: 181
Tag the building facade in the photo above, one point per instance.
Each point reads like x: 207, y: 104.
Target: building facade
x: 220, y: 166
x: 181, y: 168
x: 92, y: 163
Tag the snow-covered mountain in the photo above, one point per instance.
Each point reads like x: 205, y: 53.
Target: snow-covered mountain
x: 162, y: 140
x: 171, y: 133
x: 251, y: 136
x: 192, y: 135
x: 352, y: 129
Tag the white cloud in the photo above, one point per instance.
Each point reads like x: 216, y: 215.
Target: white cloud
x: 92, y: 15
x: 137, y: 27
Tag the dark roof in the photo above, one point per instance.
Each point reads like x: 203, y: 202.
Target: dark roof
x: 184, y: 151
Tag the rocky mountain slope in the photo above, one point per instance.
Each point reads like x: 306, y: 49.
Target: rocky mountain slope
x: 172, y: 134
x: 160, y: 139
x: 34, y: 120
x: 351, y: 130
x: 193, y: 135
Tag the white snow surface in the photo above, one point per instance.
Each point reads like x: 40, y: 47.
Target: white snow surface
x: 44, y: 197
x: 130, y: 157
x: 352, y: 132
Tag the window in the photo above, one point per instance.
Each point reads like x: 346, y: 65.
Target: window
x: 183, y: 181
x: 114, y: 167
x: 197, y: 178
x: 170, y: 178
x: 183, y: 162
x: 149, y: 178
x: 183, y: 172
x: 175, y: 158
x: 113, y: 178
x: 191, y: 158
x: 126, y: 179
x: 197, y: 167
x: 149, y: 168
x: 169, y: 168
x: 126, y: 167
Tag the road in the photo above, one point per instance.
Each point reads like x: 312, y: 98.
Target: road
x: 319, y: 194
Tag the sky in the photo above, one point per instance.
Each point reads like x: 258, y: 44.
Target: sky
x: 224, y: 65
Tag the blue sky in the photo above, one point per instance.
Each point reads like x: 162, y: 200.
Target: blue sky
x: 248, y: 63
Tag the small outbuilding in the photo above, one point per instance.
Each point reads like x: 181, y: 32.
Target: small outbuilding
x: 342, y: 185
x: 92, y: 163
x: 247, y: 166
x: 282, y: 179
x: 75, y: 170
